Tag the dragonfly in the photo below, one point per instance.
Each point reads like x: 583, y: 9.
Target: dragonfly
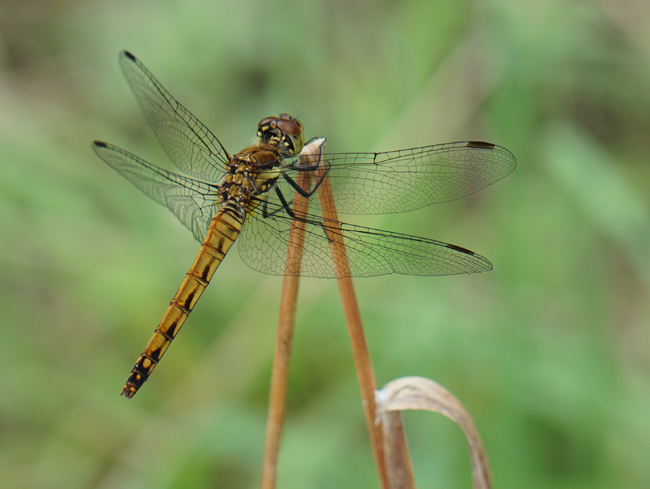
x: 247, y: 197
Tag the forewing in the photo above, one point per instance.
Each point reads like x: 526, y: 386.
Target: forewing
x: 194, y: 203
x: 188, y: 143
x: 404, y: 180
x: 371, y: 252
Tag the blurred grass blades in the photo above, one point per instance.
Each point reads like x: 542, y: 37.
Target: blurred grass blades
x: 592, y: 176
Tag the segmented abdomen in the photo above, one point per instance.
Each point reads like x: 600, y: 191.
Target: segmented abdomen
x: 223, y: 231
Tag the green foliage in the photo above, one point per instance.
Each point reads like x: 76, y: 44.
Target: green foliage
x: 548, y: 352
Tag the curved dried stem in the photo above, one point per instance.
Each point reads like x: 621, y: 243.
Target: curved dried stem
x: 420, y: 393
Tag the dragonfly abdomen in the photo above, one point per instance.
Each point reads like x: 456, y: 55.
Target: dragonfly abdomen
x: 222, y: 233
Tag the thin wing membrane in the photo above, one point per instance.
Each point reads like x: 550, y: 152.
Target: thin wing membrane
x: 405, y: 180
x: 371, y: 252
x: 188, y: 143
x: 194, y: 203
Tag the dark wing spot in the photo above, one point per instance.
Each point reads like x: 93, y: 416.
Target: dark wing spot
x: 480, y: 144
x: 100, y: 144
x: 461, y: 249
x: 129, y: 55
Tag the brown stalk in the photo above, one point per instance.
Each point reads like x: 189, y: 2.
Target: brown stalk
x: 282, y: 356
x: 280, y: 373
x: 355, y: 328
x: 398, y: 462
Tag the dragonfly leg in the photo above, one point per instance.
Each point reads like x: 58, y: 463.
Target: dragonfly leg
x: 301, y: 190
x: 320, y: 180
x: 297, y: 187
x: 285, y: 205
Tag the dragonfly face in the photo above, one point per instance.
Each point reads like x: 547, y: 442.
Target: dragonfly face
x: 248, y: 197
x: 285, y: 132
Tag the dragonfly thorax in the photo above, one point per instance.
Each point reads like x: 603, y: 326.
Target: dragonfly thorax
x: 252, y: 173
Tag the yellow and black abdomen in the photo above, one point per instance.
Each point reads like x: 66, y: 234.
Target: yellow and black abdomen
x: 222, y: 233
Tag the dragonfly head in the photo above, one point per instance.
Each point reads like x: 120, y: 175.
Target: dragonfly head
x: 284, y: 132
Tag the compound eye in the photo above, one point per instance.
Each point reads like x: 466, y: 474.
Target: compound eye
x: 267, y: 121
x: 289, y: 127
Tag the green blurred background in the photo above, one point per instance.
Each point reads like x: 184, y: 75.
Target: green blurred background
x: 549, y: 352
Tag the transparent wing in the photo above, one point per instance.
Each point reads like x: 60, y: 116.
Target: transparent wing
x: 408, y: 179
x: 264, y: 240
x: 194, y: 203
x: 188, y: 143
x: 371, y: 252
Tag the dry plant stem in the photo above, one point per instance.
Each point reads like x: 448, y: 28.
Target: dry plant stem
x: 398, y: 463
x: 355, y: 328
x: 282, y: 355
x: 419, y: 393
